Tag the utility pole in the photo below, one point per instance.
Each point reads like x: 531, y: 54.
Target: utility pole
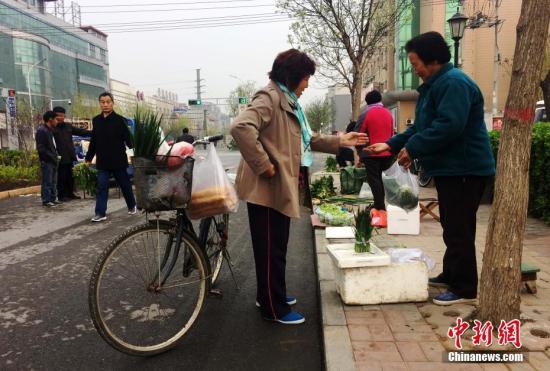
x: 199, y: 83
x: 496, y: 61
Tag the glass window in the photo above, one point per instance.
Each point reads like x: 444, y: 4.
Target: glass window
x: 409, y: 27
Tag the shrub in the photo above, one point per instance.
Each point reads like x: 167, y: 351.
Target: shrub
x: 539, y: 176
x: 13, y: 174
x: 12, y: 157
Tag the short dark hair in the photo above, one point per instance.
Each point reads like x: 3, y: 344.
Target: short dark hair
x: 185, y: 131
x: 48, y: 116
x: 106, y: 94
x: 373, y: 96
x: 290, y: 67
x: 430, y: 47
x: 59, y: 109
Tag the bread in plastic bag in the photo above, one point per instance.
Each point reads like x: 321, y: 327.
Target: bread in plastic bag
x: 212, y: 192
x: 400, y: 187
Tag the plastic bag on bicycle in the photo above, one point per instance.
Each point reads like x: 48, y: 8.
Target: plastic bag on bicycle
x: 212, y: 193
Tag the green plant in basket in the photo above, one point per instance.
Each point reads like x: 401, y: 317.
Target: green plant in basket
x: 147, y: 133
x: 330, y: 164
x: 363, y: 230
x: 86, y: 178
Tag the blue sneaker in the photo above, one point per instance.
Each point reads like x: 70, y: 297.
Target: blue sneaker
x: 292, y: 318
x: 290, y: 300
x: 448, y: 298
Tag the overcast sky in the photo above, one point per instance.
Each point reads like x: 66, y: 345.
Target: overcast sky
x: 167, y: 59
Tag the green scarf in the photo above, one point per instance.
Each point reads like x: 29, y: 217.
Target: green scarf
x: 307, y: 155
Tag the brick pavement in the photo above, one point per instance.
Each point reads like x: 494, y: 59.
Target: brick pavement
x: 412, y: 336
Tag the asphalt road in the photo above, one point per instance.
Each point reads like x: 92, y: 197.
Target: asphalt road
x: 46, y: 257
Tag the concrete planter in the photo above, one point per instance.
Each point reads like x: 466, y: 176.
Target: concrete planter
x: 372, y: 279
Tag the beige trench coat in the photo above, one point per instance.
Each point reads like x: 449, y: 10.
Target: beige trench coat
x: 267, y: 132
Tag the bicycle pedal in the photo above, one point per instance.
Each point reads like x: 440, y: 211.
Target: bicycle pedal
x: 216, y: 292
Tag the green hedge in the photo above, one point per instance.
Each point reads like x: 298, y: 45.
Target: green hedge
x: 539, y: 174
x: 16, y: 174
x: 12, y: 157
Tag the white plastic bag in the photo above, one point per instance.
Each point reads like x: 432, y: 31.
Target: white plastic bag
x: 212, y: 192
x: 366, y: 191
x: 400, y: 187
x: 408, y: 255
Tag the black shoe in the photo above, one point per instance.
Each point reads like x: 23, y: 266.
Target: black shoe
x: 75, y: 197
x: 437, y: 282
x: 48, y: 204
x: 57, y: 202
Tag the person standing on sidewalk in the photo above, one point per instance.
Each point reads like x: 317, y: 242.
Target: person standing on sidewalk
x: 47, y: 153
x: 377, y: 122
x: 276, y: 141
x: 110, y: 136
x: 63, y: 135
x: 450, y: 140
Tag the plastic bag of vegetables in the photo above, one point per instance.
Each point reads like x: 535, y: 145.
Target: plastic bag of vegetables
x: 401, y: 187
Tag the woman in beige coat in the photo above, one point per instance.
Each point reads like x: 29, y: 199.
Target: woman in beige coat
x: 276, y: 143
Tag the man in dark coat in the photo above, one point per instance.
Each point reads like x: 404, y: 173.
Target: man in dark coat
x: 185, y: 136
x: 63, y: 135
x: 110, y: 136
x: 45, y: 145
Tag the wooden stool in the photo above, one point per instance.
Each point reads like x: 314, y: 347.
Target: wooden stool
x: 529, y: 276
x: 426, y: 207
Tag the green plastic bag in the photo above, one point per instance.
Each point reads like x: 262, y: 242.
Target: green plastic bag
x: 351, y: 179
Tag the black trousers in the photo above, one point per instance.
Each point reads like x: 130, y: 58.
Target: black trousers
x: 374, y: 167
x: 270, y: 231
x: 65, y: 180
x: 459, y: 198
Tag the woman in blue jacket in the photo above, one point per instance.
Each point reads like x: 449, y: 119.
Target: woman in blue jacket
x: 450, y: 140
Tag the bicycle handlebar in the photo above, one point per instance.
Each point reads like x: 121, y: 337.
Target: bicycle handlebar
x: 210, y: 139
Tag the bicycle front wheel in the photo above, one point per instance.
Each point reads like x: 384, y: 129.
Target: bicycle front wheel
x: 213, y: 236
x: 139, y: 302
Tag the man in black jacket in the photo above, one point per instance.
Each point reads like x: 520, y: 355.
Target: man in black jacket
x: 185, y: 136
x: 110, y: 136
x: 47, y: 153
x: 63, y: 135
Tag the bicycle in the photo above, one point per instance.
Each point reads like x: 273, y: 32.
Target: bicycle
x: 175, y: 268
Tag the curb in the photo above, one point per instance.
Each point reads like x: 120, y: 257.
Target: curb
x: 19, y: 192
x: 336, y: 338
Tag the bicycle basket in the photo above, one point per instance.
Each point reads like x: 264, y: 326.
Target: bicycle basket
x: 159, y: 187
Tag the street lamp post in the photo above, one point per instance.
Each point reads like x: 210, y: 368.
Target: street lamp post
x: 29, y: 82
x: 457, y: 24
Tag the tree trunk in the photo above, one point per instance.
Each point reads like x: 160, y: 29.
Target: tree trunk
x: 501, y: 273
x: 356, y: 88
x: 545, y: 86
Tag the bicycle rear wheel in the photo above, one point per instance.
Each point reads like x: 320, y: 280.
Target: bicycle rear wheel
x: 213, y: 236
x: 129, y: 308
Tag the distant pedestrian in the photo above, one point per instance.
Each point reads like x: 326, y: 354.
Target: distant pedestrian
x: 185, y: 136
x: 110, y: 136
x: 47, y: 153
x: 346, y: 154
x: 450, y: 140
x: 63, y: 135
x: 276, y: 144
x: 377, y: 122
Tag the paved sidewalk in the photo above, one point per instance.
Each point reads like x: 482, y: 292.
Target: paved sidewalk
x: 412, y: 336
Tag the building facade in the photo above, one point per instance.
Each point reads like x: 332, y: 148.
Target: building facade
x: 45, y: 58
x: 390, y: 68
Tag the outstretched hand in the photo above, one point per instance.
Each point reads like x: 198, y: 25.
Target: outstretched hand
x: 376, y: 148
x: 352, y: 139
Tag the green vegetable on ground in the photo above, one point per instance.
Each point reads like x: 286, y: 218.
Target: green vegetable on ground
x: 330, y: 164
x: 323, y: 188
x: 86, y: 178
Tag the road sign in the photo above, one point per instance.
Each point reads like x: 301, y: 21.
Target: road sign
x: 194, y: 102
x: 243, y: 100
x: 12, y: 107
